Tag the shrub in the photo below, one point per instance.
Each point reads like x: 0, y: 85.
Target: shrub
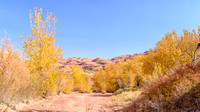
x: 81, y: 81
x: 124, y: 74
x: 14, y: 74
x: 165, y: 94
x: 64, y: 81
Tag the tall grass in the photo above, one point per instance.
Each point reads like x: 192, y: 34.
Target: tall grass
x: 14, y: 74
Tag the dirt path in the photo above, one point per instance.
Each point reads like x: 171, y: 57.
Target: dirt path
x: 80, y: 102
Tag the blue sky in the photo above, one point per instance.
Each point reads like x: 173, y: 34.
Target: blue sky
x: 103, y: 28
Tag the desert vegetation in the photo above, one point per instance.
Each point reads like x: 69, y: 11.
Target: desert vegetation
x: 34, y: 72
x: 163, y: 79
x: 162, y: 76
x: 179, y: 92
x: 15, y: 75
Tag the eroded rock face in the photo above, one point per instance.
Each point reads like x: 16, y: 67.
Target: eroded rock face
x: 93, y: 64
x: 125, y: 57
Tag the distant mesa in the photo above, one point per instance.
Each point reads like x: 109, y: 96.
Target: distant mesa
x: 93, y: 64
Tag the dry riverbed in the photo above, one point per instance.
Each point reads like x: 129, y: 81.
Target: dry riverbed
x: 76, y: 102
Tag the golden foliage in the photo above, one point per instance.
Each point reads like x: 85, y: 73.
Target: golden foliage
x: 168, y: 89
x: 170, y: 52
x: 124, y: 74
x: 81, y: 81
x: 40, y: 48
x: 37, y: 73
x: 187, y: 43
x: 178, y: 92
x: 166, y: 55
x: 41, y: 51
x: 14, y: 74
x: 64, y: 82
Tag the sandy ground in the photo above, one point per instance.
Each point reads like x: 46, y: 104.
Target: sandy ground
x: 76, y: 102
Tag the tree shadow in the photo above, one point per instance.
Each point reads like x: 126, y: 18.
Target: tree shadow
x: 190, y: 101
x: 37, y: 110
x: 101, y: 95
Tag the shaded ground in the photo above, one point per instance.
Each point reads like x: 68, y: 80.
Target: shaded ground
x: 80, y: 102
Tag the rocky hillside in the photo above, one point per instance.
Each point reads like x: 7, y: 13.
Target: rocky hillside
x: 93, y: 64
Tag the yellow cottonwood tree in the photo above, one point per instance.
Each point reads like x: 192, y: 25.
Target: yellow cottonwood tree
x: 187, y: 43
x: 81, y: 81
x: 124, y: 74
x: 40, y: 48
x: 165, y: 56
x: 167, y: 52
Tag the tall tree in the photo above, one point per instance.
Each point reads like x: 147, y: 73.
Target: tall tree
x: 42, y: 53
x: 40, y: 48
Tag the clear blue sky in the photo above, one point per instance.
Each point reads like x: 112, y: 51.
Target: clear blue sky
x: 103, y: 28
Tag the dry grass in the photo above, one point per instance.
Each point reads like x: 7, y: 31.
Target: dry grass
x: 15, y: 76
x: 178, y: 92
x: 122, y: 98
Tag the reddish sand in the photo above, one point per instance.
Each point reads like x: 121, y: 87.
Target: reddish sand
x: 94, y: 102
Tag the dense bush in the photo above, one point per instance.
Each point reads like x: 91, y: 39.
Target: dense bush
x: 14, y: 74
x: 124, y: 74
x: 167, y: 93
x: 82, y: 82
x: 171, y: 51
x: 64, y: 82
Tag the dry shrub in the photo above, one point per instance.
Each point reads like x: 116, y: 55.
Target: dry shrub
x: 14, y: 74
x: 64, y: 82
x: 69, y: 85
x: 124, y: 98
x: 167, y: 94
